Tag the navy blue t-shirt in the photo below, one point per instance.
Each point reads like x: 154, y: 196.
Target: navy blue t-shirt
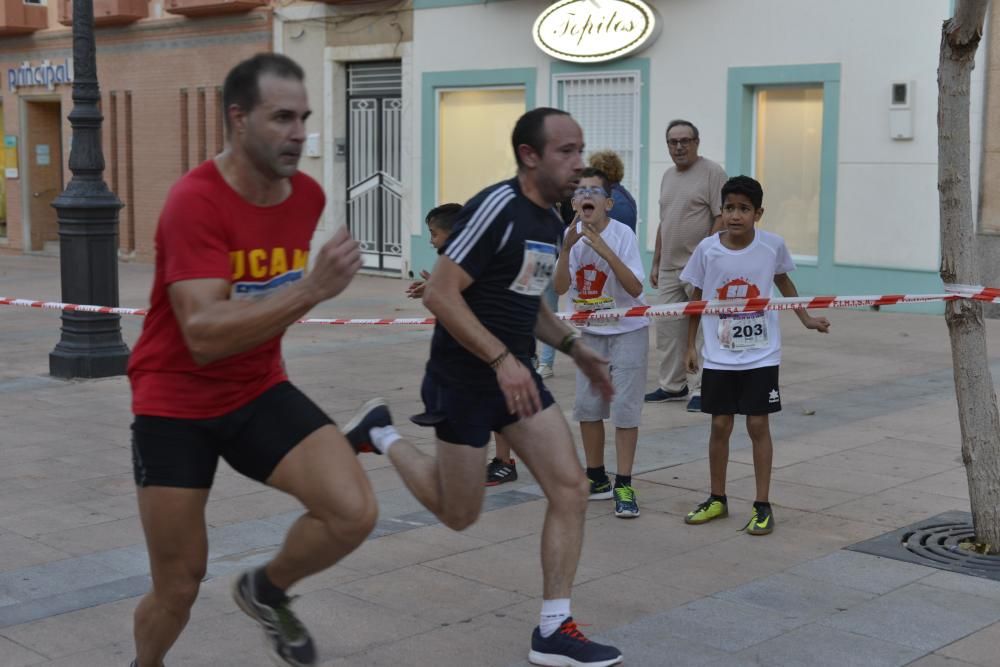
x: 508, y: 245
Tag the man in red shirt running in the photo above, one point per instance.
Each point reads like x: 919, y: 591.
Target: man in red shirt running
x: 207, y: 375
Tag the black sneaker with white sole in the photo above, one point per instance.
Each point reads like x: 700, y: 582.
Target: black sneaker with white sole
x: 373, y: 414
x: 287, y: 639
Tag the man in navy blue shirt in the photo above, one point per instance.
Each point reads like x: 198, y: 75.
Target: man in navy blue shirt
x: 485, y: 292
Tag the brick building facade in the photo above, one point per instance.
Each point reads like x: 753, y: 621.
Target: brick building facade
x: 160, y: 81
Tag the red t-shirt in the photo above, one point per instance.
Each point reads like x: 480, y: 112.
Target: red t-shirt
x: 207, y: 230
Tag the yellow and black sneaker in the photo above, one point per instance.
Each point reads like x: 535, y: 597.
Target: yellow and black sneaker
x: 713, y: 508
x: 600, y: 489
x: 761, y: 521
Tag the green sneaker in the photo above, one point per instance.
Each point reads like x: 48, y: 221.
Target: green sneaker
x: 713, y: 508
x: 626, y: 506
x: 761, y: 521
x: 600, y: 490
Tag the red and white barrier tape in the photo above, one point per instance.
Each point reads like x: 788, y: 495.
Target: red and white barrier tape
x: 670, y: 310
x: 55, y: 305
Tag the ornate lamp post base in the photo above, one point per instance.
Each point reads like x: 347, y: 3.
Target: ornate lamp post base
x: 91, y: 344
x: 88, y: 348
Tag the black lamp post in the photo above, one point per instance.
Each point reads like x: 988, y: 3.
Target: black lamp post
x: 91, y: 344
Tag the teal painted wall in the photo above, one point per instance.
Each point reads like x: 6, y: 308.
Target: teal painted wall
x: 825, y: 275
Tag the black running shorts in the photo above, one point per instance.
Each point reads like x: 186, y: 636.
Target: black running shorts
x: 464, y: 416
x: 252, y: 439
x: 749, y: 392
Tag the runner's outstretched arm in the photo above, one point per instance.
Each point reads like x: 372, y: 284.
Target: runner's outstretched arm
x: 787, y: 288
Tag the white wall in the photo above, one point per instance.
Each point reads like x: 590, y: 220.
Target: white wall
x: 887, y: 209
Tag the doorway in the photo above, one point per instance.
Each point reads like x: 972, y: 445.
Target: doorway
x: 43, y: 172
x: 374, y: 162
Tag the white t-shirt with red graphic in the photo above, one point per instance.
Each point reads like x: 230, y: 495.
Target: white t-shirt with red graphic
x: 591, y: 277
x: 748, y: 340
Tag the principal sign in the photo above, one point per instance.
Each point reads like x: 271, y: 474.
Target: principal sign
x: 47, y: 74
x: 592, y: 31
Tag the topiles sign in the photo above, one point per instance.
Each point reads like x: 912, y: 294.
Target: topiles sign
x: 593, y: 31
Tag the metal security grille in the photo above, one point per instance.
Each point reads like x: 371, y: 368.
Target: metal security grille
x: 379, y: 78
x: 374, y: 191
x: 607, y: 107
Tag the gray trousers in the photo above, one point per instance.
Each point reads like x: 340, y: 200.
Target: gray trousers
x: 671, y: 337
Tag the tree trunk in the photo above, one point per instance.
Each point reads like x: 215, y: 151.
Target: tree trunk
x: 977, y: 403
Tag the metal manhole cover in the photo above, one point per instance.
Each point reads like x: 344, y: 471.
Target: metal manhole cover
x: 934, y: 542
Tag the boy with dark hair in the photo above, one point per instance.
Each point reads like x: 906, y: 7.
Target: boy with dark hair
x: 742, y: 351
x: 600, y: 266
x: 440, y: 221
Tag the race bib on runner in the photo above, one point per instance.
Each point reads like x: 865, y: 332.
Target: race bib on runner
x: 746, y: 331
x: 536, y: 270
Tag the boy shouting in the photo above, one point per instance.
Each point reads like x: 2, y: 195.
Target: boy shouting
x: 601, y: 267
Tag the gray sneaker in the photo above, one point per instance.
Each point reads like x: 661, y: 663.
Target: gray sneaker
x: 287, y: 639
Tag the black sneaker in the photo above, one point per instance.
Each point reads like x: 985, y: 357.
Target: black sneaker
x: 567, y: 647
x: 373, y: 414
x: 600, y: 489
x: 500, y: 472
x: 287, y: 639
x: 664, y: 396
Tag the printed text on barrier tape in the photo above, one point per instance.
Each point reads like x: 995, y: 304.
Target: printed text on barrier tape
x: 671, y: 310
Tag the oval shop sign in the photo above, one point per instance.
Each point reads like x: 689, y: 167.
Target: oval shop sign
x: 593, y: 31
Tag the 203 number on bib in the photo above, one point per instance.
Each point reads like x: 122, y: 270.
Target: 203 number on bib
x: 743, y: 332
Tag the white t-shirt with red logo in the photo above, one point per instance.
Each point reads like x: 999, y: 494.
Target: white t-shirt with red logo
x: 591, y: 277
x: 746, y: 340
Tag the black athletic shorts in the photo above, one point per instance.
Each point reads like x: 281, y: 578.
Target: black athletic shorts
x: 464, y: 416
x: 253, y: 439
x: 749, y: 392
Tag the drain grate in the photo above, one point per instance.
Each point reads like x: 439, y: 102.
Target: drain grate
x: 935, y: 542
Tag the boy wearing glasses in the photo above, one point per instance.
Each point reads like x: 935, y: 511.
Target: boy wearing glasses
x: 741, y: 351
x: 601, y: 268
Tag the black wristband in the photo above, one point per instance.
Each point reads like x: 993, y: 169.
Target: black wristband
x: 495, y: 364
x: 566, y: 346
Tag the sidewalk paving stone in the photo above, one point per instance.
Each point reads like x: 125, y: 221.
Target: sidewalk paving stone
x: 863, y: 572
x: 978, y: 648
x: 724, y: 625
x: 818, y: 646
x: 796, y: 597
x: 917, y: 615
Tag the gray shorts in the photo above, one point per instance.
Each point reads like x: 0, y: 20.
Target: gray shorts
x: 629, y: 353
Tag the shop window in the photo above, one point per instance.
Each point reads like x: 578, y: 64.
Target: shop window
x: 787, y: 144
x: 607, y: 108
x: 474, y: 127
